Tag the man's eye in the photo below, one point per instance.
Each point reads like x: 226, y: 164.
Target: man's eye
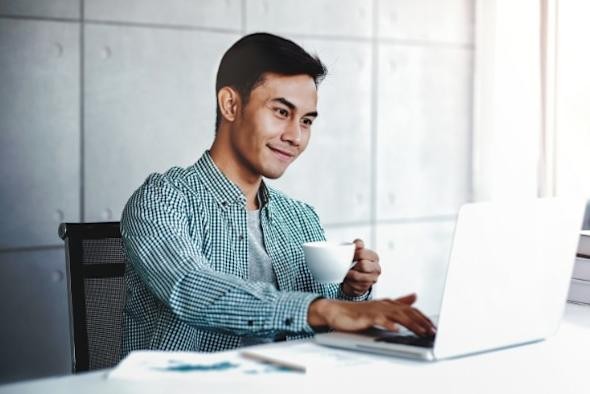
x: 307, y: 122
x: 282, y: 112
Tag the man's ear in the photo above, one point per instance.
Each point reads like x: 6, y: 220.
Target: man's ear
x: 229, y: 103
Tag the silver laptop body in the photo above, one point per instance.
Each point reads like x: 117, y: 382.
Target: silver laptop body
x: 507, y: 280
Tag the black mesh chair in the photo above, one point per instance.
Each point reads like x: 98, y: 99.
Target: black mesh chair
x: 95, y: 265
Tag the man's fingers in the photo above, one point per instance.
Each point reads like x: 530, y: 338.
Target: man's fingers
x: 387, y: 324
x: 413, y: 322
x: 360, y: 244
x: 413, y: 319
x: 404, y: 318
x: 426, y: 318
x: 366, y: 254
x: 425, y: 325
x: 353, y: 277
x: 359, y: 287
x: 407, y: 299
x: 386, y: 313
x: 367, y: 267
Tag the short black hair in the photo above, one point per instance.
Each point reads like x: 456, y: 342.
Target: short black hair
x: 244, y: 64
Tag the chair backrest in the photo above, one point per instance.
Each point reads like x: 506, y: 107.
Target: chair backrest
x: 96, y: 266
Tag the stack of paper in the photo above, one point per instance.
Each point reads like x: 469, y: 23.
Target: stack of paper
x: 580, y: 286
x: 285, y: 360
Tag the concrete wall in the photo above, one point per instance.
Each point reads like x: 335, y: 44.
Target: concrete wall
x: 96, y: 94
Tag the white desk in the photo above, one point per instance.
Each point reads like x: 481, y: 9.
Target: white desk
x: 558, y: 365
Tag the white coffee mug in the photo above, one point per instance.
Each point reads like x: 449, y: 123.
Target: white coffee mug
x: 329, y: 261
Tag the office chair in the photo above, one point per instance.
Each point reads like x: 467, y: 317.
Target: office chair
x: 96, y: 288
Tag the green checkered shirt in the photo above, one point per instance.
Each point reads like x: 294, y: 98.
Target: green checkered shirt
x: 185, y: 236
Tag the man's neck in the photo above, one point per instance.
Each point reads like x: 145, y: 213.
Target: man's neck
x: 248, y: 183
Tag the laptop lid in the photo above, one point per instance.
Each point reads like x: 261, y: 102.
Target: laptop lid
x: 508, y: 275
x: 507, y: 280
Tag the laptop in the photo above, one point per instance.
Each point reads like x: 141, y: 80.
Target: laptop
x: 507, y: 281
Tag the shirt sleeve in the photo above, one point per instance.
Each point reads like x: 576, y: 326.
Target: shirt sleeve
x: 155, y: 232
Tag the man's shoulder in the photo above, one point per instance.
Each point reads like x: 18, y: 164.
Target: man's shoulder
x: 170, y: 189
x: 178, y: 177
x: 174, y: 186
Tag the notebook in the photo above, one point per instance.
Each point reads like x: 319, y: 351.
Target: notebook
x: 507, y: 281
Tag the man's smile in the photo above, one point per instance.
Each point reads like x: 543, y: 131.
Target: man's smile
x: 282, y: 154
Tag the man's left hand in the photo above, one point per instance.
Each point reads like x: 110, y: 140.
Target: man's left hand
x: 365, y: 272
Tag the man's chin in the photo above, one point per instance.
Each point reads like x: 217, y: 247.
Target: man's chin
x: 274, y: 174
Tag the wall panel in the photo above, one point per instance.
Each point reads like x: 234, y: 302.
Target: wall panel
x: 449, y: 21
x: 149, y: 105
x: 320, y: 17
x: 424, y: 131
x: 39, y: 131
x: 217, y: 14
x: 41, y: 8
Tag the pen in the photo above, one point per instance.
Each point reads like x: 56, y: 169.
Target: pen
x: 273, y: 361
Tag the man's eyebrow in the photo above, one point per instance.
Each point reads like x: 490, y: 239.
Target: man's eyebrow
x: 292, y: 106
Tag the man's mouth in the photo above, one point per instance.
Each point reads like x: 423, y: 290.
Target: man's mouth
x: 282, y: 154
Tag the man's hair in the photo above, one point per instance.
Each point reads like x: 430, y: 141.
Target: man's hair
x: 244, y: 64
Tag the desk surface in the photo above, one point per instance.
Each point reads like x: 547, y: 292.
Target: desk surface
x: 557, y: 365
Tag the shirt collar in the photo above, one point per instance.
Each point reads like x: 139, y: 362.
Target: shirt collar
x: 263, y: 195
x: 224, y: 190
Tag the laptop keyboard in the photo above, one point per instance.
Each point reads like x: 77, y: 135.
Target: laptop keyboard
x: 412, y: 340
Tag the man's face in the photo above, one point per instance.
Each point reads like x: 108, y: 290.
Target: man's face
x: 274, y: 127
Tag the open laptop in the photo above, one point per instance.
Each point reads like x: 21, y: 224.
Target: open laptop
x: 507, y: 281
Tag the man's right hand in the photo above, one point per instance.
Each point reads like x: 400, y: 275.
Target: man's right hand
x: 357, y: 316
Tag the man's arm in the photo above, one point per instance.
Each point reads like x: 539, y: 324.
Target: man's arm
x: 155, y: 232
x: 343, y: 315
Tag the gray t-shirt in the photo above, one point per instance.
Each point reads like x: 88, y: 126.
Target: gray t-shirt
x: 259, y: 266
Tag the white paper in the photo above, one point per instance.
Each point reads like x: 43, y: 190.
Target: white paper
x: 158, y: 365
x: 316, y: 358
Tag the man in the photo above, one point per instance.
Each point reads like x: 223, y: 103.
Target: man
x: 215, y: 258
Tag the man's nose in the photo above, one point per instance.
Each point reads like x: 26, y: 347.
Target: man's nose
x: 292, y: 133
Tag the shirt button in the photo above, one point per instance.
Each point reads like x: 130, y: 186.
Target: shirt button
x: 224, y: 203
x: 288, y: 321
x: 241, y: 237
x: 250, y: 323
